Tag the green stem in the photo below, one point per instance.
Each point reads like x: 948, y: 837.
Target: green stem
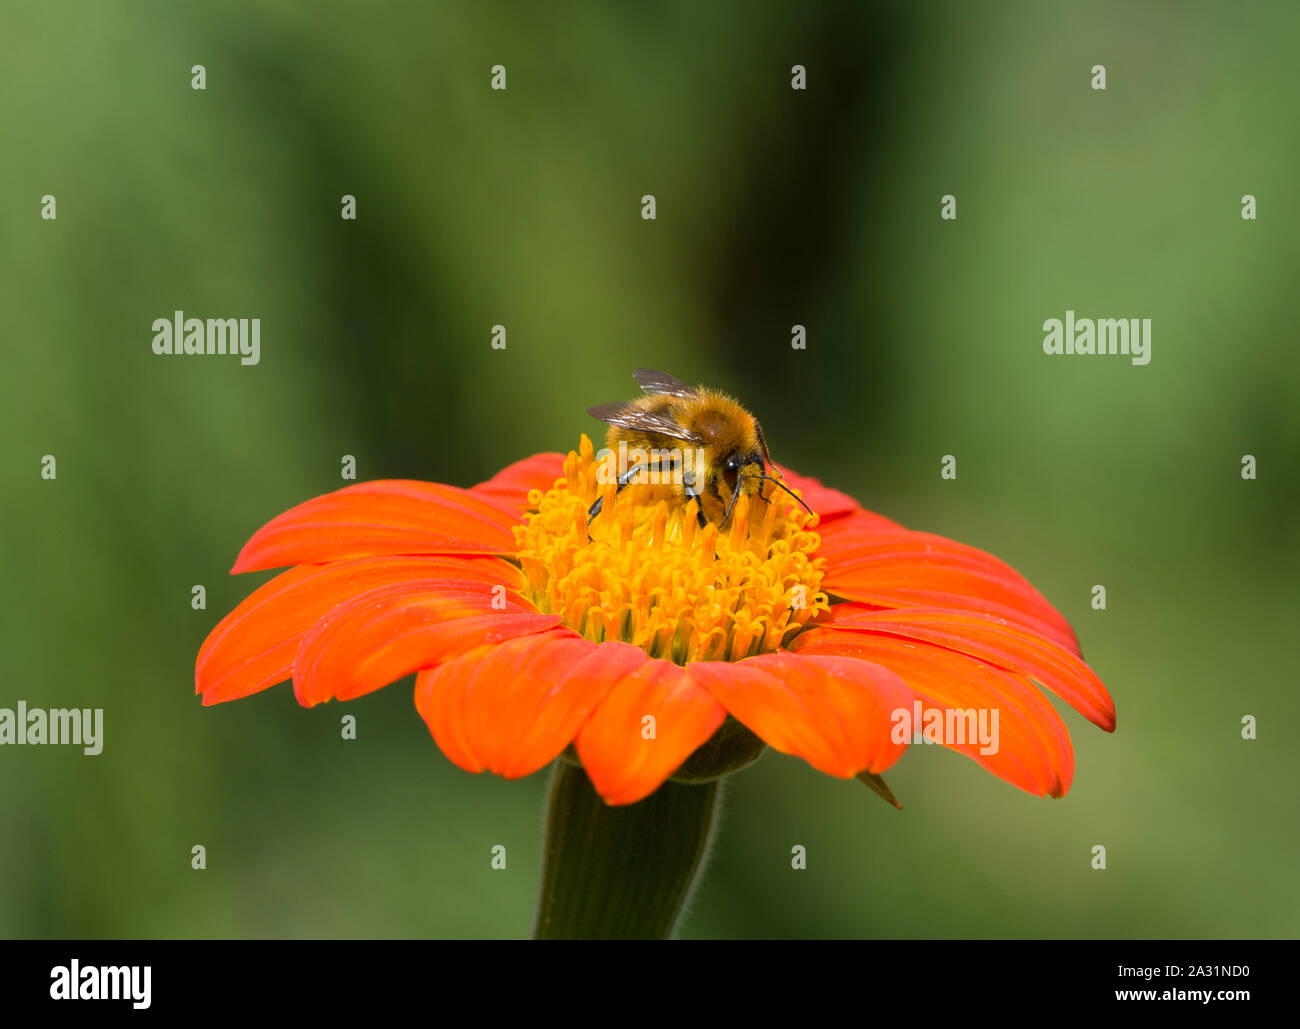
x: 625, y: 872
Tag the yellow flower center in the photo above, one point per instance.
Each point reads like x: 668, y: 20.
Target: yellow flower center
x: 644, y: 572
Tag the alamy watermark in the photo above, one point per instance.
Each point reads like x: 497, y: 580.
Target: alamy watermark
x: 1128, y: 336
x: 102, y: 982
x: 951, y: 726
x: 181, y: 335
x: 666, y: 467
x: 78, y: 727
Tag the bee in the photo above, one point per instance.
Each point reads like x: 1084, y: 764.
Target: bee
x: 727, y: 453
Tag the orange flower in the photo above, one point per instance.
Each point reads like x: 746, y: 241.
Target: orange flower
x: 529, y: 634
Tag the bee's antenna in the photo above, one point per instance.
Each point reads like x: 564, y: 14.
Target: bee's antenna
x: 778, y: 482
x: 734, y: 494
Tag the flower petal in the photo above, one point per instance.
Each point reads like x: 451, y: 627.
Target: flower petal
x: 510, y: 487
x: 828, y: 503
x: 513, y: 708
x: 1033, y: 748
x: 389, y: 516
x: 380, y: 636
x: 253, y: 647
x: 994, y: 640
x: 857, y: 523
x: 834, y: 712
x: 919, y: 569
x: 624, y: 765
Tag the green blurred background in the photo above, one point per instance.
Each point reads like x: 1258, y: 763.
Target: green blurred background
x: 775, y: 207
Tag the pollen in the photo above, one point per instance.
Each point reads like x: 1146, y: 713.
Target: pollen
x: 644, y: 571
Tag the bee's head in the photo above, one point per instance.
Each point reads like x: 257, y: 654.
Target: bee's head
x: 745, y: 471
x: 749, y: 472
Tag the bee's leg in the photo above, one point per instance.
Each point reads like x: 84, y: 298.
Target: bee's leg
x: 623, y: 480
x: 688, y: 486
x: 630, y: 474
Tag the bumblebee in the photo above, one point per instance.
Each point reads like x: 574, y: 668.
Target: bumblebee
x: 724, y: 456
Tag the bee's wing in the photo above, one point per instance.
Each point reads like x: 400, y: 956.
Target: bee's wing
x: 662, y: 383
x: 627, y: 417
